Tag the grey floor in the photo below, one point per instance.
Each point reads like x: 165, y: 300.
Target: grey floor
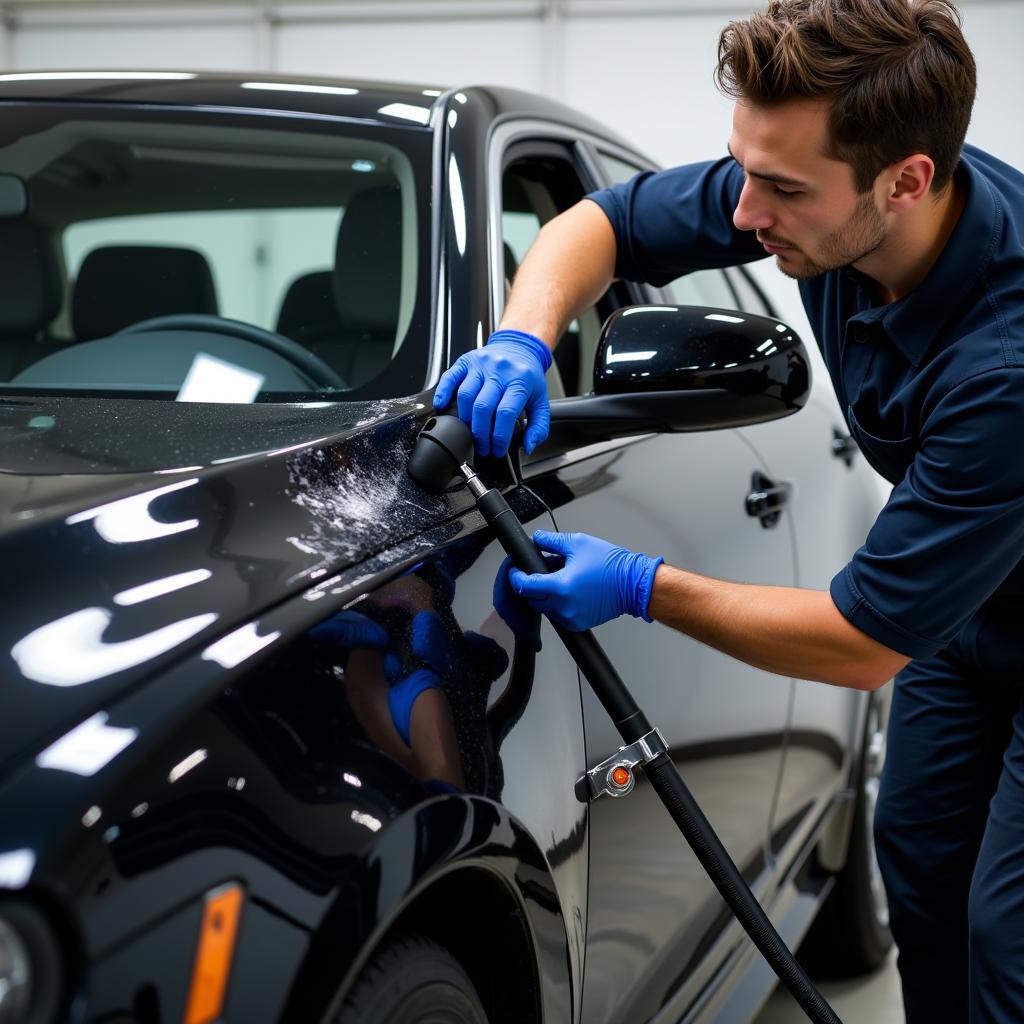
x: 874, y: 999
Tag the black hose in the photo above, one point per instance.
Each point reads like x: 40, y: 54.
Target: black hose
x: 714, y: 858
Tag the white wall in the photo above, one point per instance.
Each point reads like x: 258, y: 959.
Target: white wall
x: 642, y: 66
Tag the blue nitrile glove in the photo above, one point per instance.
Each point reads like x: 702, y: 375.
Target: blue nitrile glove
x: 455, y: 655
x: 598, y: 582
x: 518, y: 615
x: 351, y: 630
x: 402, y: 696
x: 495, y: 383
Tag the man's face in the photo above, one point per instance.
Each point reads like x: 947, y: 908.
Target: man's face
x: 803, y: 205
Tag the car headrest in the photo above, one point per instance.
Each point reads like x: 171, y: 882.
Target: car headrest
x: 30, y: 282
x: 511, y: 266
x: 119, y: 285
x: 308, y: 308
x: 368, y: 263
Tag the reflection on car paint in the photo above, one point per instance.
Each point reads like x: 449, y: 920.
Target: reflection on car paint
x: 130, y: 520
x: 458, y: 204
x: 71, y: 650
x: 16, y: 868
x: 230, y: 651
x: 157, y: 588
x: 419, y: 685
x: 88, y: 747
x: 186, y: 765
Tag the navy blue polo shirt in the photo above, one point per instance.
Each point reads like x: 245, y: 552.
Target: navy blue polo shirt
x: 932, y: 387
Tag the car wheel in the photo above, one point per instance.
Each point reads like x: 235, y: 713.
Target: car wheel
x: 412, y: 980
x: 851, y: 933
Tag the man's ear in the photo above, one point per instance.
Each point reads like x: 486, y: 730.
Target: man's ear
x: 908, y: 181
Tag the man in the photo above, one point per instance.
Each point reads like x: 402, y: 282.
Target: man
x: 846, y: 162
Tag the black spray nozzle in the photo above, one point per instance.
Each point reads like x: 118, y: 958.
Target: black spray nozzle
x: 443, y: 445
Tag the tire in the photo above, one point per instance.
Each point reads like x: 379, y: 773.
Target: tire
x: 412, y: 980
x: 851, y: 934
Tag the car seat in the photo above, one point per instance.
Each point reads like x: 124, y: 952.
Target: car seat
x: 30, y: 291
x: 121, y: 285
x: 308, y: 314
x: 349, y: 315
x: 367, y: 280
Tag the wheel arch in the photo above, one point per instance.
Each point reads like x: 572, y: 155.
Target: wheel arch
x: 460, y: 870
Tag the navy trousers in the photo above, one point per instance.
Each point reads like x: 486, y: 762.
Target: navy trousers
x: 949, y: 829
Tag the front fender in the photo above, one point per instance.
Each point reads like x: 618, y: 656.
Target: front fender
x: 392, y: 883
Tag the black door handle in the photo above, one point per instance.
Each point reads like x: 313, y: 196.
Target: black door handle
x: 844, y: 447
x: 767, y: 499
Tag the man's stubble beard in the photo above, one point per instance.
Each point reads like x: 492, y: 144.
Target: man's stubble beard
x: 861, y: 235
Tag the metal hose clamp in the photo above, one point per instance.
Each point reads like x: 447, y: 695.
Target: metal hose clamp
x: 615, y: 776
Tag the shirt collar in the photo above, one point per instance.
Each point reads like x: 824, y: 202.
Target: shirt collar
x: 913, y: 322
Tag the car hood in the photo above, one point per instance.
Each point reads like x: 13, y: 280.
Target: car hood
x: 133, y: 530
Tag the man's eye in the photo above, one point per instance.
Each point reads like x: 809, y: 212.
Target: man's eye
x: 782, y: 192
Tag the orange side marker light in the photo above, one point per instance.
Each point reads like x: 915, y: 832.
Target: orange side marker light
x: 213, y: 956
x: 620, y: 776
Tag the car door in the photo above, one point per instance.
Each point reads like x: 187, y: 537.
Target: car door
x: 653, y: 916
x: 831, y: 511
x: 833, y: 504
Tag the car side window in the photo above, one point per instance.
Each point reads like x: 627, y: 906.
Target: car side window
x: 616, y: 169
x: 702, y: 287
x: 534, y: 189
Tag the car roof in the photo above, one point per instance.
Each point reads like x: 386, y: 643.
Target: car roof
x: 359, y: 99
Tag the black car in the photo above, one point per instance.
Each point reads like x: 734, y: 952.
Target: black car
x: 267, y: 749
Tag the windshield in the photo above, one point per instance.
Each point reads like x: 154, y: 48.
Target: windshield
x: 158, y: 253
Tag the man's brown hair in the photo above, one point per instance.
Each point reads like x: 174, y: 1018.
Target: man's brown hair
x: 898, y: 75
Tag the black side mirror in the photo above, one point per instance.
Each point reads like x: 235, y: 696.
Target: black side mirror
x: 684, y: 368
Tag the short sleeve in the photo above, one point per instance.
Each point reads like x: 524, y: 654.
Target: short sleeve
x: 669, y: 223
x: 953, y: 528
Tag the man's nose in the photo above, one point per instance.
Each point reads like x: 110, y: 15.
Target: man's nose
x: 750, y: 213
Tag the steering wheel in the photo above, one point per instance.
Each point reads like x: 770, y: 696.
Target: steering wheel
x: 311, y: 365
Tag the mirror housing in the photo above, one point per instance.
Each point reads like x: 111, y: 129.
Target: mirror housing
x: 671, y: 369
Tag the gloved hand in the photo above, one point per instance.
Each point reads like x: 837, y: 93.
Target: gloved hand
x: 517, y: 614
x: 598, y: 582
x: 495, y: 383
x: 458, y: 655
x: 402, y: 695
x: 350, y: 630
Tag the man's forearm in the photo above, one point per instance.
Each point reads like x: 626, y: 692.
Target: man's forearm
x: 785, y: 630
x: 567, y: 269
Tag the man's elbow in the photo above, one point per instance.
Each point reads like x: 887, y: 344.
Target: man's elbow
x: 867, y: 663
x: 875, y: 671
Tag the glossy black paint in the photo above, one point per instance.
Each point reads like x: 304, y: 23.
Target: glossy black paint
x: 686, y: 368
x: 691, y: 348
x: 286, y: 800
x: 198, y: 91
x: 288, y: 517
x: 257, y: 527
